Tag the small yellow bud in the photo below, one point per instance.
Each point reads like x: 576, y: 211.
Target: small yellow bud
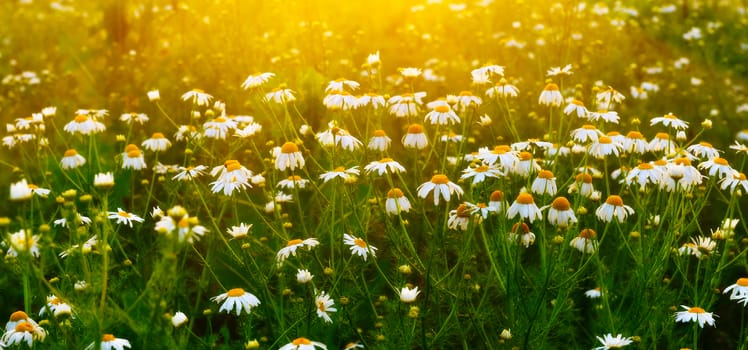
x: 252, y: 344
x: 414, y: 312
x: 706, y: 124
x: 405, y: 269
x: 635, y: 234
x: 86, y: 198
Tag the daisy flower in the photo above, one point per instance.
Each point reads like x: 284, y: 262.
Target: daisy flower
x: 585, y: 242
x: 442, y: 114
x: 219, y: 127
x: 347, y: 175
x: 231, y: 176
x: 374, y: 100
x: 695, y: 314
x: 609, y: 95
x: 587, y: 133
x: 157, y: 142
x: 281, y: 95
x: 179, y: 319
x: 734, y: 181
x: 634, y: 142
x: 605, y: 115
x: 545, y: 183
x: 503, y: 154
x: 289, y: 157
x: 410, y: 72
x: 23, y: 241
x: 340, y: 100
x: 189, y: 173
x: 554, y: 71
x: 415, y: 138
x: 132, y: 158
x: 703, y: 150
x: 240, y: 231
x: 613, y: 208
x: 24, y: 332
x: 643, y: 174
x: 525, y: 206
x: 526, y: 237
x: 303, y: 344
x: 671, y: 121
x: 496, y: 201
x: 197, y: 97
x: 256, y: 80
x: 717, y: 166
x: 359, y: 247
x: 662, y: 142
x: 324, y: 306
x: 22, y: 190
x: 525, y: 165
x: 354, y: 345
x: 341, y: 84
x: 124, y: 217
x: 459, y: 219
x: 396, y: 202
x: 110, y: 342
x: 56, y: 306
x: 560, y: 213
x: 293, y: 245
x: 293, y: 181
x: 104, y: 180
x: 385, y: 165
x: 610, y: 342
x: 408, y: 295
x: 502, y: 89
x: 71, y: 160
x: 551, y: 96
x: 237, y: 299
x: 738, y: 291
x: 153, y: 95
x: 594, y: 293
x: 84, y: 125
x: 132, y: 117
x: 576, y: 107
x: 481, y: 173
x: 303, y: 276
x: 466, y: 100
x: 441, y: 188
x: 405, y: 105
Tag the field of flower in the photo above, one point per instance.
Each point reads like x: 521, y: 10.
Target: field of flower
x: 391, y: 174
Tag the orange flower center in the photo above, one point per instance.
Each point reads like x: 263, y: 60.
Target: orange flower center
x: 294, y: 178
x: 25, y: 327
x: 706, y: 144
x: 441, y: 109
x: 605, y: 140
x: 660, y: 162
x: 645, y: 166
x: 294, y: 242
x: 525, y: 155
x: 481, y: 169
x: 589, y: 127
x: 720, y: 161
x: 588, y: 233
x: 466, y: 93
x: 134, y: 153
x: 586, y: 178
x: 70, y: 153
x: 635, y: 135
x: 301, y: 341
x: 578, y: 103
x: 379, y: 133
x: 157, y: 135
x: 17, y: 316
x: 385, y: 160
x: 124, y: 214
x: 497, y: 196
x: 551, y: 87
x: 360, y: 242
x: 614, y: 133
x: 415, y: 129
x: 440, y: 179
x: 81, y: 118
x: 615, y: 200
x: 525, y: 198
x: 236, y: 292
x: 130, y: 147
x: 289, y: 147
x: 107, y: 337
x: 394, y: 193
x: 682, y: 161
x: 561, y: 204
x: 662, y: 135
x: 743, y: 282
x: 545, y: 174
x: 696, y: 310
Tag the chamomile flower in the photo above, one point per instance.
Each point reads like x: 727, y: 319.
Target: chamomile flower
x: 303, y: 344
x: 23, y: 241
x: 459, y: 218
x: 610, y: 342
x: 576, y: 107
x: 496, y: 201
x: 613, y: 208
x: 545, y: 183
x: 644, y: 174
x: 281, y: 95
x: 671, y: 121
x: 525, y: 166
x: 256, y: 80
x: 104, y: 180
x: 551, y: 96
x: 385, y: 165
x: 22, y: 190
x: 219, y: 127
x: 703, y: 150
x: 293, y: 245
x: 189, y: 173
x: 231, y: 176
x: 289, y: 157
x: 525, y: 207
x: 408, y: 295
x: 734, y: 182
x: 587, y: 133
x: 132, y: 117
x: 480, y: 173
x: 609, y: 95
x: 303, y: 276
x: 197, y: 97
x: 358, y: 246
x: 379, y: 141
x: 324, y: 306
x: 179, y: 319
x: 502, y: 154
x: 442, y: 114
x: 71, y: 160
x: 293, y: 181
x: 354, y: 345
x: 415, y: 138
x: 594, y: 293
x: 347, y: 175
x: 340, y: 100
x: 525, y: 237
x: 236, y: 299
x: 585, y: 242
x: 84, y: 125
x: 56, y: 306
x: 738, y: 291
x: 560, y: 213
x: 24, y: 332
x: 695, y: 314
x: 240, y: 231
x: 604, y: 115
x: 502, y: 89
x: 158, y: 142
x: 634, y: 142
x: 718, y: 167
x: 396, y: 202
x: 554, y: 71
x: 441, y: 188
x: 662, y: 143
x: 132, y: 158
x: 79, y: 220
x: 124, y: 217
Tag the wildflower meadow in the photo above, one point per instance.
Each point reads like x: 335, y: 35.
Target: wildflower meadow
x: 422, y: 174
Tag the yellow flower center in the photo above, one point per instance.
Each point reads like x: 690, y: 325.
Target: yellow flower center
x: 130, y: 147
x: 339, y: 169
x: 545, y: 174
x: 561, y: 204
x: 70, y: 153
x: 466, y: 93
x: 81, y: 118
x: 301, y: 341
x: 236, y: 292
x: 124, y: 214
x: 614, y: 133
x: 360, y: 242
x: 134, y: 153
x: 682, y: 161
x: 740, y: 177
x: 289, y: 147
x: 441, y: 109
x: 578, y: 103
x: 635, y: 135
x: 294, y: 242
x: 17, y: 316
x: 107, y: 337
x: 157, y: 135
x: 660, y: 162
x: 720, y: 161
x: 25, y: 327
x: 440, y: 179
x: 385, y: 160
x: 706, y: 144
x: 481, y: 169
x: 232, y: 165
x: 501, y: 149
x: 662, y: 136
x: 614, y: 200
x: 696, y: 310
x: 394, y: 193
x: 294, y: 178
x: 551, y: 87
x: 743, y: 282
x: 415, y: 129
x: 670, y: 116
x: 379, y: 133
x: 525, y: 155
x: 604, y: 140
x: 321, y: 306
x: 220, y: 120
x: 645, y: 166
x: 525, y: 198
x: 589, y: 127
